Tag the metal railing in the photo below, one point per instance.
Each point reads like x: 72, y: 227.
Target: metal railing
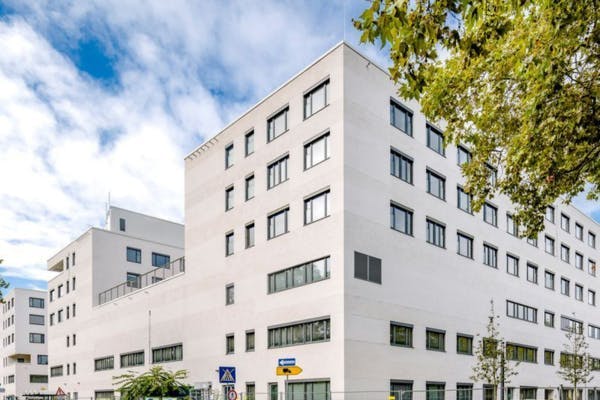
x: 149, y: 278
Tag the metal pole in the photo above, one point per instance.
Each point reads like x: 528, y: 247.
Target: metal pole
x: 502, y: 361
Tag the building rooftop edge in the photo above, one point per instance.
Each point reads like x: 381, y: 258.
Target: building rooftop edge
x: 146, y: 215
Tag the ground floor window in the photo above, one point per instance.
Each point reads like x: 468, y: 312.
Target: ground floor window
x: 105, y: 395
x: 435, y: 391
x: 401, y: 390
x: 308, y: 390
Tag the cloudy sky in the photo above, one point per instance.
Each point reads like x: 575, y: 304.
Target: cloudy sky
x: 108, y: 96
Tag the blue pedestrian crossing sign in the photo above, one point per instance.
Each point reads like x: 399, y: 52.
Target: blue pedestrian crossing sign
x: 226, y: 374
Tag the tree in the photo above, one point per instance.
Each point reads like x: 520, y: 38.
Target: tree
x: 516, y: 81
x: 3, y: 285
x: 491, y: 366
x: 157, y: 382
x: 575, y: 361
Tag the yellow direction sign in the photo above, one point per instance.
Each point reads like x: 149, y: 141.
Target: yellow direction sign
x: 291, y: 370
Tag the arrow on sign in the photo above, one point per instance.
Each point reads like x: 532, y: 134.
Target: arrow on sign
x: 291, y: 370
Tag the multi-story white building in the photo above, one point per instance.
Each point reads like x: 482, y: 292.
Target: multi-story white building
x: 24, y: 350
x: 328, y: 224
x: 133, y: 251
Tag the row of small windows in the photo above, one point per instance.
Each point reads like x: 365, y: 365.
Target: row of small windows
x: 316, y: 207
x: 69, y: 285
x: 315, y: 152
x: 158, y: 260
x: 565, y: 225
x: 277, y: 124
x: 137, y: 358
x: 69, y: 311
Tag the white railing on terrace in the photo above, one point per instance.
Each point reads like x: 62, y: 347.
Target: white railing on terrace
x: 149, y: 278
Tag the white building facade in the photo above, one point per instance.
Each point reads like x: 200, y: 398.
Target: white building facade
x: 328, y: 224
x: 24, y: 350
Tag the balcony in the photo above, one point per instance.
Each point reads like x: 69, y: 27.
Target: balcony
x: 158, y: 274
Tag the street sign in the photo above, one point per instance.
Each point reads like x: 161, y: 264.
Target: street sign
x: 286, y: 362
x: 60, y: 392
x: 232, y: 395
x: 291, y: 370
x: 226, y: 374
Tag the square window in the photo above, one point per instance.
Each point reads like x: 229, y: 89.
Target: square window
x: 435, y: 340
x: 316, y: 207
x: 463, y: 155
x: 133, y: 255
x: 436, y: 185
x: 464, y: 344
x: 316, y: 151
x: 277, y: 172
x: 278, y: 223
x: 401, y: 118
x: 490, y: 256
x: 401, y: 334
x: 401, y: 219
x: 436, y: 233
x: 367, y: 267
x: 401, y: 166
x: 549, y: 319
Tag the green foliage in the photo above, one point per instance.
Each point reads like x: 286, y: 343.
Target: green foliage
x: 157, y: 382
x: 575, y: 361
x: 3, y: 285
x: 517, y: 81
x: 490, y: 357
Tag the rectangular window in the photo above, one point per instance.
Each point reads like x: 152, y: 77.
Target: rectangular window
x: 435, y: 391
x: 593, y: 332
x: 532, y: 273
x: 122, y: 224
x: 299, y: 275
x: 277, y: 125
x: 401, y: 118
x: 133, y: 280
x: 549, y: 280
x: 367, y: 267
x: 591, y: 239
x: 565, y: 222
x: 278, y: 223
x: 38, y: 378
x: 435, y: 340
x: 277, y: 172
x: 299, y: 333
x: 316, y: 99
x: 101, y: 364
x: 132, y: 359
x: 229, y: 344
x: 464, y: 391
x: 436, y: 233
x: 490, y: 214
x: 549, y: 245
x: 578, y: 292
x: 134, y: 255
x: 401, y: 390
x: 401, y: 334
x: 549, y: 357
x: 435, y: 140
x: 526, y: 393
x: 317, y: 390
x: 36, y: 319
x: 229, y: 294
x: 579, y: 261
x: 37, y: 338
x: 464, y: 344
x: 463, y: 155
x: 515, y: 352
x: 464, y: 245
x: 463, y: 200
x: 565, y: 286
x: 316, y: 151
x: 250, y: 235
x: 512, y: 265
x: 249, y: 143
x: 549, y: 319
x: 229, y: 198
x: 592, y: 267
x: 51, y: 295
x: 511, y: 226
x: 490, y: 256
x: 250, y: 339
x: 229, y: 156
x: 401, y: 219
x: 532, y: 241
x: 249, y: 187
x: 160, y: 260
x: 492, y: 175
x: 316, y: 207
x: 35, y: 302
x: 60, y: 291
x: 520, y: 311
x: 167, y: 354
x: 571, y: 325
x: 56, y: 371
x: 550, y: 214
x: 578, y: 231
x: 229, y: 243
x: 42, y: 359
x: 436, y: 185
x: 565, y: 253
x: 401, y: 166
x: 591, y: 297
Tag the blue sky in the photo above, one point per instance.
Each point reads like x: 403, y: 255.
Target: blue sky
x: 101, y: 97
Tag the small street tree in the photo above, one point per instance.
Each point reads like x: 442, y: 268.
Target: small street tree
x: 157, y: 382
x: 491, y: 366
x: 575, y: 361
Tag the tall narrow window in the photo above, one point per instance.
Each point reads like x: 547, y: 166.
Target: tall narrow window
x: 549, y: 214
x: 249, y: 187
x: 463, y: 200
x: 401, y: 166
x: 565, y: 222
x: 549, y: 280
x: 401, y: 219
x: 249, y: 143
x: 229, y: 344
x: 316, y: 151
x: 229, y: 198
x: 565, y: 286
x: 436, y: 185
x: 316, y: 99
x: 250, y: 235
x: 490, y: 256
x: 578, y: 231
x: 229, y: 244
x: 532, y: 273
x: 511, y: 226
x: 228, y: 155
x: 435, y: 140
x: 512, y: 265
x: 578, y: 292
x: 277, y: 125
x: 436, y: 233
x: 401, y: 118
x: 278, y: 223
x: 549, y: 245
x: 229, y: 294
x: 579, y: 261
x: 250, y: 339
x: 565, y: 253
x: 316, y: 207
x: 465, y: 245
x: 277, y: 172
x: 592, y: 240
x: 122, y: 224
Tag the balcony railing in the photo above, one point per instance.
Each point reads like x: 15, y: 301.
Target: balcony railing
x: 149, y: 278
